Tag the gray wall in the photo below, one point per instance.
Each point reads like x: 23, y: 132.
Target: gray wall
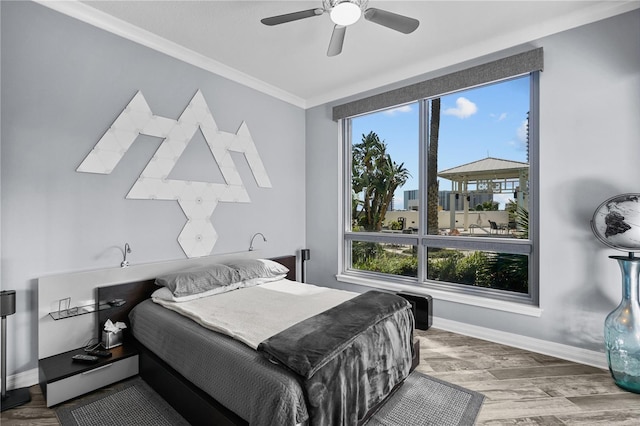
x: 63, y: 84
x: 589, y: 151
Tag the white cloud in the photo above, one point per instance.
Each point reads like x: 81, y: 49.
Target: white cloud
x: 499, y: 117
x: 521, y: 137
x: 521, y: 132
x: 398, y: 110
x: 464, y: 108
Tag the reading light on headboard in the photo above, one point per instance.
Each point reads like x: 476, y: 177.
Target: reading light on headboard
x: 125, y: 262
x: 255, y: 235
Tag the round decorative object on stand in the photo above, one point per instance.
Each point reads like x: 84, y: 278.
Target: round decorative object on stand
x: 616, y: 222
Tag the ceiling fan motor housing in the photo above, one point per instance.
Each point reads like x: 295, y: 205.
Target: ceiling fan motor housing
x: 345, y: 12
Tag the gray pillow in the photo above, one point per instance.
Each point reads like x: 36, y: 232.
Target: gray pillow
x: 196, y: 281
x: 257, y: 268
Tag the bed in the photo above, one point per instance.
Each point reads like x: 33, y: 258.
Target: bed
x: 215, y: 374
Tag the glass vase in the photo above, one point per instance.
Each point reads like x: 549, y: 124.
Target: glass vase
x: 622, y: 329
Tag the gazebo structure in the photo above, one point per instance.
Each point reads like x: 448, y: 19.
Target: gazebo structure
x: 489, y: 176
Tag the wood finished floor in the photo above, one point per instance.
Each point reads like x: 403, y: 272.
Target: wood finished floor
x: 520, y: 387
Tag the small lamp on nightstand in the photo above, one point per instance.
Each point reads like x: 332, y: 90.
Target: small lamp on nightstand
x: 15, y: 397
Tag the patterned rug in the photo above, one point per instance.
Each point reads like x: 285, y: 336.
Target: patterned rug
x: 423, y: 400
x: 420, y: 401
x: 131, y: 402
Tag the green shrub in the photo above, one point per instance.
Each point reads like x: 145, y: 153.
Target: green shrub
x: 395, y: 225
x: 469, y: 268
x: 478, y: 268
x: 372, y: 257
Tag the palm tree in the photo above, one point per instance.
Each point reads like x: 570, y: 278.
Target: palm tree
x: 394, y: 175
x: 374, y: 178
x: 432, y: 169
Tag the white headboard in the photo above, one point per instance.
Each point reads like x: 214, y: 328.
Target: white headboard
x: 57, y: 336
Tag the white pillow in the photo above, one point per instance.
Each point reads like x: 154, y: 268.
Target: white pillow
x: 164, y: 293
x: 257, y: 281
x: 199, y: 280
x: 257, y: 268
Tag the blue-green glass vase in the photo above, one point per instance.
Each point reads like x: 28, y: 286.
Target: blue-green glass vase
x: 622, y: 329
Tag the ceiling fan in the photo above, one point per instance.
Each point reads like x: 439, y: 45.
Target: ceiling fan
x: 344, y: 13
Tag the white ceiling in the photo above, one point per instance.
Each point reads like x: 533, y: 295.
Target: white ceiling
x: 289, y: 60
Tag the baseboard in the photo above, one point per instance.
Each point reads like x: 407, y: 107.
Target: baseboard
x: 558, y: 350
x: 22, y: 380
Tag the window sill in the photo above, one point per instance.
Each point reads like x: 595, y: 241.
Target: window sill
x: 483, y: 302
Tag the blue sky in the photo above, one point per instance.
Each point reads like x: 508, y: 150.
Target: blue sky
x: 488, y: 121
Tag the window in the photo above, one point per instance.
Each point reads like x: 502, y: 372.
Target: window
x: 440, y: 191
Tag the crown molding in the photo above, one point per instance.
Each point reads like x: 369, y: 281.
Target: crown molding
x: 104, y: 21
x: 501, y: 41
x: 599, y: 11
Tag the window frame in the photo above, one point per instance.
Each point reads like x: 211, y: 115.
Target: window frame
x: 422, y: 240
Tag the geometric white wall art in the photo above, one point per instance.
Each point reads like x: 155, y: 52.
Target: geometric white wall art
x: 198, y: 200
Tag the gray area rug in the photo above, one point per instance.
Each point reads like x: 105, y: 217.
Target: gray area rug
x: 423, y: 400
x: 131, y: 402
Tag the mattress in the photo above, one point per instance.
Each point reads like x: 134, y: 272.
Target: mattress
x: 252, y: 315
x: 235, y: 375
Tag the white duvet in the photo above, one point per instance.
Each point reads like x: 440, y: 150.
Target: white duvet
x: 254, y: 314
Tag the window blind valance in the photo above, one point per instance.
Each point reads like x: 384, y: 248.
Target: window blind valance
x: 511, y: 66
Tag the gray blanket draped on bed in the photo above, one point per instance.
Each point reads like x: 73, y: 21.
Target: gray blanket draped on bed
x: 349, y: 357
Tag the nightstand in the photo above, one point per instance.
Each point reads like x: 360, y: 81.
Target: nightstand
x: 62, y: 379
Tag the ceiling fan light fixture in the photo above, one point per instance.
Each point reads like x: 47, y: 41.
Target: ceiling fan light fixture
x: 345, y: 13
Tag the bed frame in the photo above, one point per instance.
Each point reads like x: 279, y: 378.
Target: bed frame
x: 196, y: 406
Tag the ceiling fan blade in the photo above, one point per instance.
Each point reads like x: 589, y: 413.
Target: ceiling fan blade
x: 288, y: 17
x: 401, y: 23
x: 337, y: 39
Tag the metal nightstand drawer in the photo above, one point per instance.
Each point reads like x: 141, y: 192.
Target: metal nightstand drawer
x: 70, y: 387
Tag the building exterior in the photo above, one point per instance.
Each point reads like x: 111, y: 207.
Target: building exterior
x: 411, y: 201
